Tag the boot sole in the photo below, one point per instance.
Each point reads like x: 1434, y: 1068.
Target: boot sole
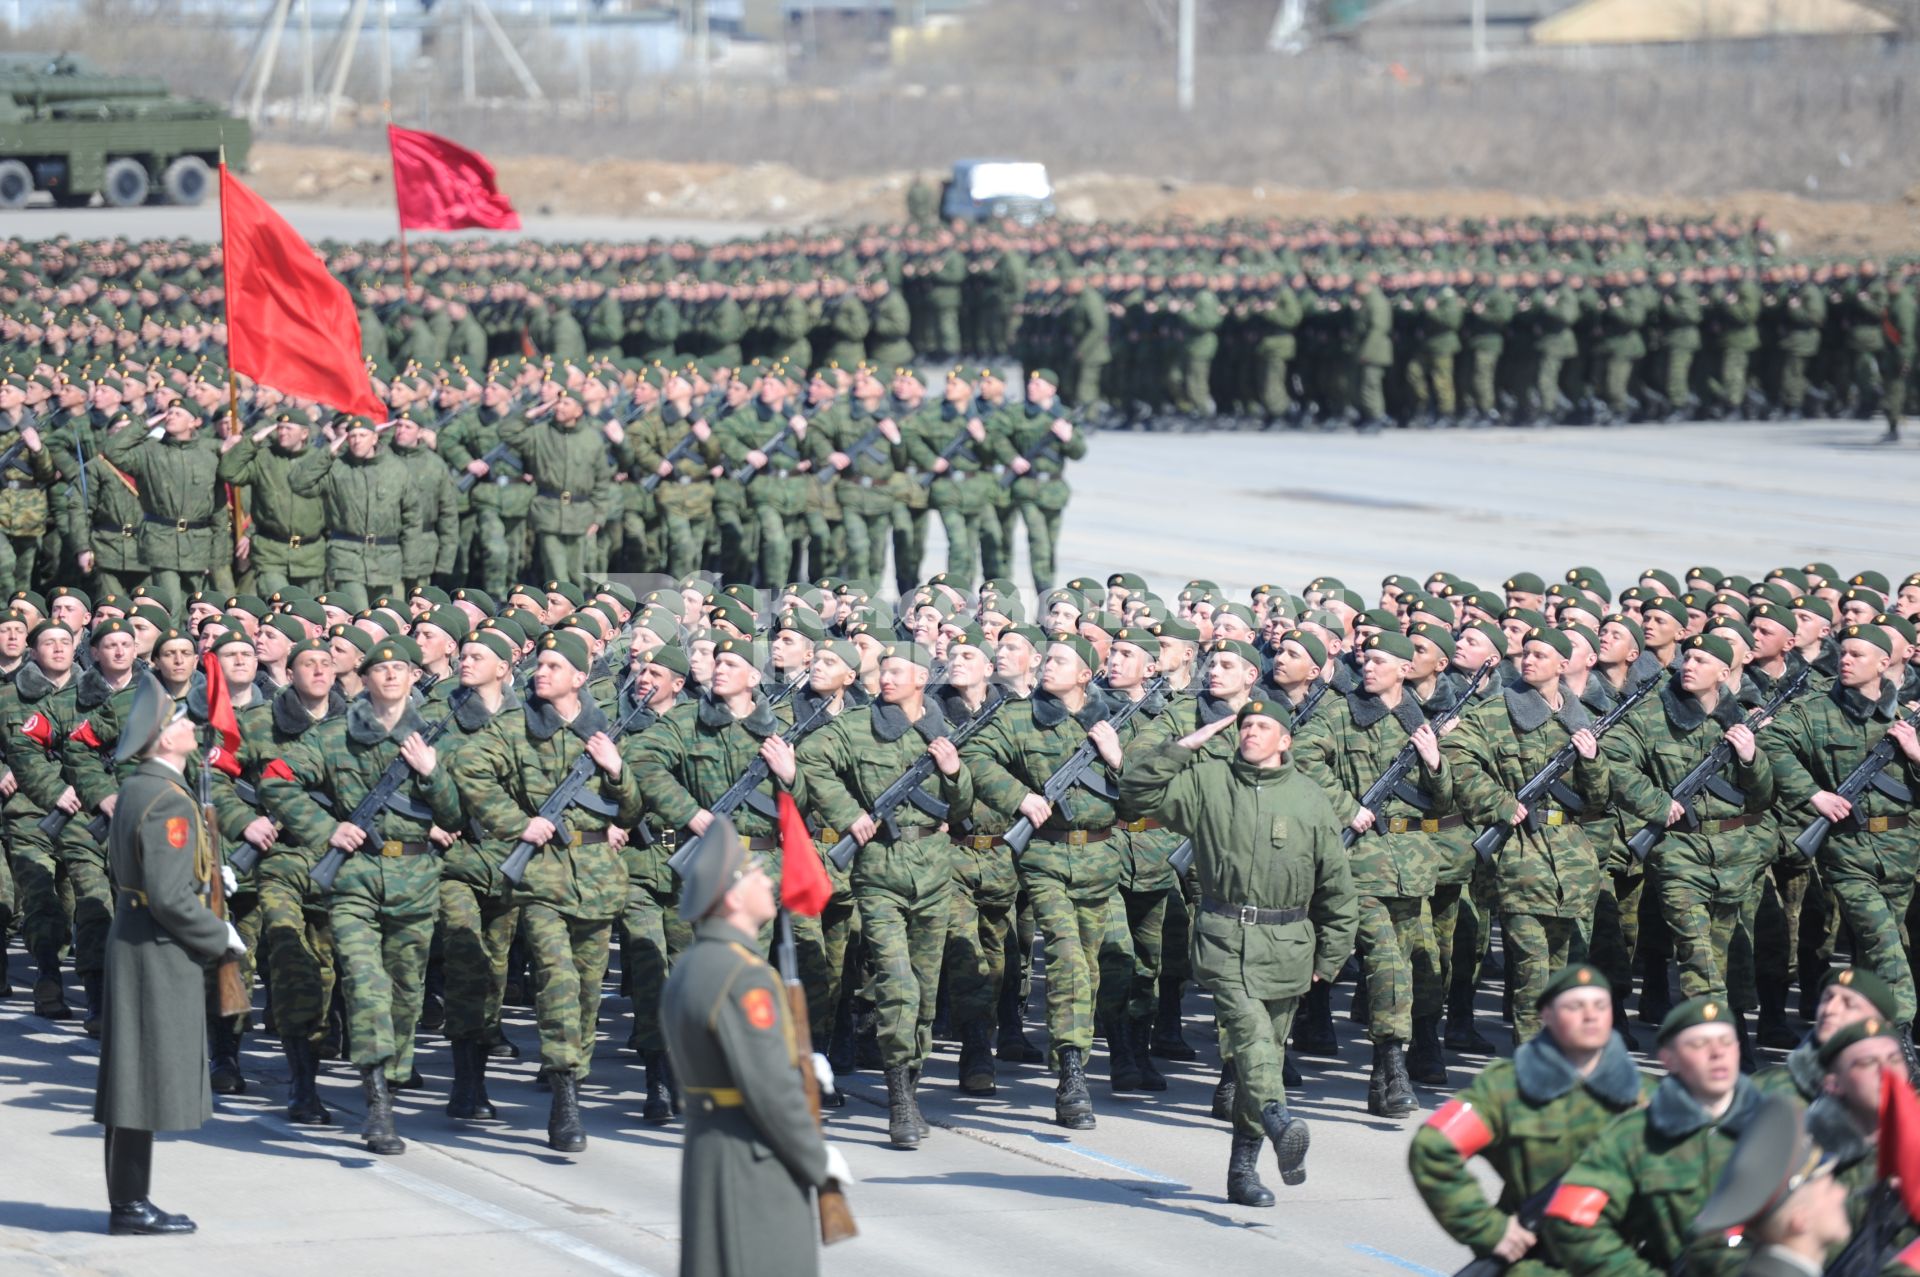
x: 1290, y: 1150
x: 1264, y: 1197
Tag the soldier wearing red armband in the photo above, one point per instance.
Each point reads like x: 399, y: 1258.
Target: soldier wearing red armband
x: 1529, y: 1117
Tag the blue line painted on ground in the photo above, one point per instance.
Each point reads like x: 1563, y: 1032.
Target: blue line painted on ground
x: 1066, y: 1145
x: 1395, y: 1260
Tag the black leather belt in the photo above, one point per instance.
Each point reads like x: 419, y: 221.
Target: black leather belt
x: 180, y: 525
x: 350, y: 539
x: 1249, y: 916
x: 564, y: 497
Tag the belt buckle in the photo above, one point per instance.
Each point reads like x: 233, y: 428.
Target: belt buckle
x: 1429, y: 826
x: 1556, y: 817
x: 1075, y: 838
x: 578, y: 839
x: 1397, y: 824
x: 293, y: 542
x: 566, y: 498
x: 391, y: 850
x: 1136, y: 826
x: 180, y: 525
x: 1876, y: 824
x: 1246, y: 915
x: 370, y: 540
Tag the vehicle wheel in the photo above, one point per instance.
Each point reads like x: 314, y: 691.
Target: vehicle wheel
x: 125, y: 183
x: 187, y: 180
x: 16, y: 184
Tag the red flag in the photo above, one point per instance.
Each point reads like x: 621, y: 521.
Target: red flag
x: 225, y: 753
x: 804, y: 885
x: 442, y: 186
x: 290, y: 324
x: 1900, y: 1139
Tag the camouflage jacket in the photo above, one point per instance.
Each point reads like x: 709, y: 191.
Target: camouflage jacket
x: 1813, y: 745
x: 1344, y: 748
x: 343, y: 757
x: 39, y: 717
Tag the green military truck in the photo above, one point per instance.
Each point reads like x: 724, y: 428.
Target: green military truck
x: 67, y: 129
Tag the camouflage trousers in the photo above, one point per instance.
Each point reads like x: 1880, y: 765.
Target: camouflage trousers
x: 1537, y: 946
x: 985, y: 891
x: 37, y: 875
x: 1070, y: 888
x: 655, y: 936
x: 1446, y: 908
x: 17, y: 556
x: 1133, y: 955
x: 1253, y: 1034
x: 1397, y: 957
x: 909, y: 548
x: 683, y: 539
x: 961, y: 523
x: 1872, y: 892
x: 867, y: 536
x: 382, y: 910
x: 903, y: 890
x: 569, y: 957
x: 1043, y: 534
x: 1615, y: 941
x: 820, y: 951
x: 1794, y: 927
x: 560, y: 558
x: 1706, y: 930
x: 299, y: 945
x: 85, y: 862
x: 477, y: 931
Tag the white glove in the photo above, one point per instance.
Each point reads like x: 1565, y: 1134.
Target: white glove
x: 837, y: 1166
x: 823, y: 1073
x: 236, y: 943
x: 228, y: 882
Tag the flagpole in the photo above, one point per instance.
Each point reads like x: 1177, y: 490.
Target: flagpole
x: 393, y: 176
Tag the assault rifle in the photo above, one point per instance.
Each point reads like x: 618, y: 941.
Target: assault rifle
x: 570, y: 792
x: 906, y: 786
x: 385, y: 794
x: 746, y: 788
x: 674, y: 455
x: 1078, y: 770
x: 1394, y: 778
x: 1870, y: 774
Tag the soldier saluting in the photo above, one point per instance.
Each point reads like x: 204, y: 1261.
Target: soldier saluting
x: 153, y: 1033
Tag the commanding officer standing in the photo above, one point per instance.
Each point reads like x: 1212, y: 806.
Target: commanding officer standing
x: 1529, y: 1117
x: 153, y: 1036
x: 1268, y: 861
x: 742, y: 1212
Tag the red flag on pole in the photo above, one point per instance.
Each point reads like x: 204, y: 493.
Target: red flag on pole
x: 225, y: 753
x: 1900, y: 1139
x: 442, y: 186
x: 804, y: 885
x: 290, y: 324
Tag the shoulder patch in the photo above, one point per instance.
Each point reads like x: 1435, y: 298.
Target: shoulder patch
x: 1463, y: 1128
x: 1578, y: 1204
x: 177, y: 831
x: 757, y: 1005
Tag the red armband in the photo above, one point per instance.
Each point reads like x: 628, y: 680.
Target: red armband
x: 277, y: 770
x: 1578, y: 1204
x: 86, y: 735
x: 1462, y: 1127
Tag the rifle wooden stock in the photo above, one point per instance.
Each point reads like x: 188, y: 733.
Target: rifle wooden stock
x: 836, y: 1218
x: 235, y: 997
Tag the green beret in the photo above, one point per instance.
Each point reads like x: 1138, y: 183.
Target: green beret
x: 1174, y: 627
x: 1143, y: 638
x: 352, y: 634
x: 495, y: 641
x: 304, y: 645
x: 1347, y: 597
x: 172, y: 634
x: 1487, y: 630
x: 1737, y: 628
x: 1775, y: 593
x: 1875, y: 581
x: 1261, y: 707
x: 1532, y: 618
x: 1380, y: 618
x: 1310, y: 644
x: 1670, y: 606
x: 287, y: 625
x: 1849, y: 1034
x: 749, y: 650
x: 1131, y: 582
x: 1525, y: 583
x: 913, y: 653
x: 569, y: 647
x: 252, y: 604
x: 1555, y: 639
x: 479, y: 598
x: 80, y: 596
x: 394, y: 648
x: 1814, y: 604
x: 1586, y: 578
x: 1899, y: 625
x: 1428, y: 605
x: 1047, y: 375
x: 802, y: 622
x: 1082, y: 648
x: 1236, y: 647
x: 1578, y: 976
x: 970, y: 635
x: 1694, y: 1011
x: 46, y: 627
x: 31, y: 599
x: 1664, y: 577
x: 1393, y: 643
x: 449, y: 618
x: 671, y: 656
x: 1438, y: 635
x: 735, y: 613
x: 517, y: 624
x: 1779, y: 613
x: 1736, y: 583
x: 619, y: 593
x: 1713, y: 645
x: 1032, y: 635
x: 568, y: 591
x: 103, y: 628
x: 306, y: 610
x: 1404, y: 584
x: 1869, y: 984
x: 1868, y: 633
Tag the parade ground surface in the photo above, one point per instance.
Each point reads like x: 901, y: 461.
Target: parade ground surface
x: 998, y: 1187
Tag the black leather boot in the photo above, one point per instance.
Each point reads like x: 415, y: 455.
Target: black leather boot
x: 1313, y: 1031
x: 94, y: 986
x: 129, y: 1179
x: 1122, y: 1073
x: 901, y: 1131
x: 1390, y: 1091
x: 224, y: 1067
x: 482, y: 1104
x: 378, y: 1134
x: 1072, y: 1105
x: 1773, y: 1031
x: 976, y: 1059
x: 1748, y: 1060
x: 1289, y: 1136
x: 564, y: 1132
x: 1012, y: 1044
x: 303, y: 1071
x: 501, y: 1047
x: 1140, y: 1037
x: 1168, y: 1042
x: 1426, y: 1063
x: 1463, y: 1037
x: 659, y: 1105
x: 1290, y: 1073
x: 1243, y: 1173
x: 913, y: 1100
x: 1226, y: 1092
x: 460, y: 1103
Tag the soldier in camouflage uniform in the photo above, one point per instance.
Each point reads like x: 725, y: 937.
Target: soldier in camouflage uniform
x: 105, y: 528
x: 500, y: 499
x: 1550, y: 876
x: 1040, y: 491
x: 903, y: 878
x: 1529, y: 1118
x: 1070, y: 870
x: 384, y: 900
x: 1396, y: 861
x: 23, y: 489
x: 39, y: 714
x: 573, y: 889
